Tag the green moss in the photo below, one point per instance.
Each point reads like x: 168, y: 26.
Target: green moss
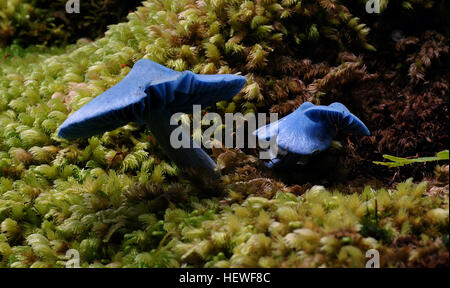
x: 119, y: 201
x: 43, y: 22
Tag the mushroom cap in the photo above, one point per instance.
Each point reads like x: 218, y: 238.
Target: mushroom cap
x: 148, y: 86
x: 311, y: 128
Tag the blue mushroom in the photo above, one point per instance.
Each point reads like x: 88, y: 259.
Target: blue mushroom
x: 308, y: 130
x: 150, y: 94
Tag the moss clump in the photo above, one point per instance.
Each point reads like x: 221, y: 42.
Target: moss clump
x: 120, y: 202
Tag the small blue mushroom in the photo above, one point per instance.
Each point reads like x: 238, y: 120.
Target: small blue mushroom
x: 308, y: 130
x: 150, y: 94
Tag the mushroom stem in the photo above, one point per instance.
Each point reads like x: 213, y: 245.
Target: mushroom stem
x: 194, y: 159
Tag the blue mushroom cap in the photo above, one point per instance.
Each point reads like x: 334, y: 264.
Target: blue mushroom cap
x: 148, y: 86
x: 311, y: 128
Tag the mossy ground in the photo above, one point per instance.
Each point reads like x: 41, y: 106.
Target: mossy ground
x: 120, y: 202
